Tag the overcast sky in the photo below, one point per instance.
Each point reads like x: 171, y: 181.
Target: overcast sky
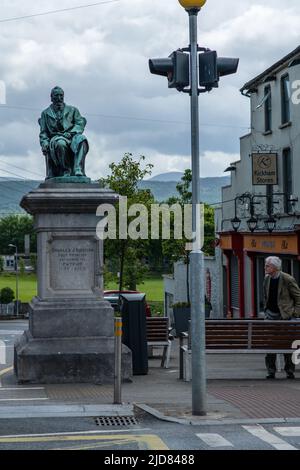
x: 99, y: 55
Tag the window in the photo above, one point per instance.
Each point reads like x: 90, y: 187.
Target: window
x: 287, y: 266
x: 285, y: 99
x: 268, y: 109
x: 287, y: 178
x: 259, y: 291
x: 269, y: 194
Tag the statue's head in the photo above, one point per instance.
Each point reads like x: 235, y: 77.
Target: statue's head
x: 57, y: 95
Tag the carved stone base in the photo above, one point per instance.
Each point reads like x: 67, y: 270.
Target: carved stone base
x: 69, y: 179
x: 71, y: 326
x: 68, y: 360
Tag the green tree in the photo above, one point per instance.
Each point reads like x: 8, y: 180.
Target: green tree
x: 128, y: 255
x: 13, y: 229
x: 7, y: 295
x: 33, y: 261
x: 175, y: 250
x: 134, y: 270
x: 1, y: 264
x: 21, y: 266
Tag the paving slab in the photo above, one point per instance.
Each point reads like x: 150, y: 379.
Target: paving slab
x: 64, y: 410
x: 237, y: 391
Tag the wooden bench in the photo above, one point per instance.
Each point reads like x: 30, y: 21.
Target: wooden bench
x: 242, y: 337
x: 158, y: 335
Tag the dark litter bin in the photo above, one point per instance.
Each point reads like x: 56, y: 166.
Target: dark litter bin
x: 133, y: 310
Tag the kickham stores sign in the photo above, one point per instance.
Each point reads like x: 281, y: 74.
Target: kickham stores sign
x: 264, y: 169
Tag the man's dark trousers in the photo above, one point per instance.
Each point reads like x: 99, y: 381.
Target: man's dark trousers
x: 289, y: 366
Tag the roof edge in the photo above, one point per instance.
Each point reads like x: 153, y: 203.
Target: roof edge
x: 258, y: 78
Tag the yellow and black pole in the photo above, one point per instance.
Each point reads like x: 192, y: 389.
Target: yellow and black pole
x: 118, y: 361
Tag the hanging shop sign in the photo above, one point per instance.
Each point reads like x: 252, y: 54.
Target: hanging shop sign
x: 264, y: 169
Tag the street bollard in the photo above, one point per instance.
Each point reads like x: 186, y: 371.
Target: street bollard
x: 2, y: 352
x: 118, y: 359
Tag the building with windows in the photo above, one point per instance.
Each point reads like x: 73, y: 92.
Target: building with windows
x: 260, y: 213
x: 9, y: 263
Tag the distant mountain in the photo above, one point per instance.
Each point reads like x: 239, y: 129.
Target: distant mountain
x: 210, y: 188
x: 166, y: 177
x: 5, y: 178
x: 12, y: 191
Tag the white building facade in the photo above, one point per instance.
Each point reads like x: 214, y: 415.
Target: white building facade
x: 260, y: 213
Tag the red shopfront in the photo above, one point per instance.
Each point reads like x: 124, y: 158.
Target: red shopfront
x: 245, y: 254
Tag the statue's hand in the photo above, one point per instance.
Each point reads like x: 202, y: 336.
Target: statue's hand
x: 67, y: 135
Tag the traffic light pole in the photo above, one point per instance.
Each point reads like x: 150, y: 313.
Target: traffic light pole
x: 204, y: 70
x: 196, y: 256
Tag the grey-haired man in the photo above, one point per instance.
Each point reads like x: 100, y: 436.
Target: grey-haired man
x: 282, y: 302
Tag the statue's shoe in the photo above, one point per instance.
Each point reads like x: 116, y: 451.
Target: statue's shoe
x: 78, y: 173
x: 67, y: 173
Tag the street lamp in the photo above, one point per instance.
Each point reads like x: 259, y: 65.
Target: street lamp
x: 235, y: 222
x: 17, y: 277
x: 270, y: 224
x: 187, y: 4
x: 252, y: 223
x: 196, y: 256
x: 186, y: 70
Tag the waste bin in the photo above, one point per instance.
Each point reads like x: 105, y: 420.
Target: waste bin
x: 133, y: 310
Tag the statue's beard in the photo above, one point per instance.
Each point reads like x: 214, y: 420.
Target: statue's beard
x: 59, y: 106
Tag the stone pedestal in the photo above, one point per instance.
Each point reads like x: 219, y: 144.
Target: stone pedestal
x: 71, y: 326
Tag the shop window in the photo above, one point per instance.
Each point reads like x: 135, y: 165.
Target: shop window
x: 287, y: 178
x: 268, y: 109
x: 260, y: 276
x: 234, y: 283
x: 287, y: 266
x: 269, y: 194
x: 285, y: 99
x: 225, y: 292
x: 296, y: 270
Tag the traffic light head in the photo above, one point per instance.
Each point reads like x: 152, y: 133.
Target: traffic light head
x: 208, y: 72
x: 176, y: 68
x: 227, y: 66
x: 162, y: 67
x: 212, y: 67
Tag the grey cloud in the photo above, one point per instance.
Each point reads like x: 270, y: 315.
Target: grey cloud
x: 100, y: 57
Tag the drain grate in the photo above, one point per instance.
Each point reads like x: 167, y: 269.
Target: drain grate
x: 116, y: 421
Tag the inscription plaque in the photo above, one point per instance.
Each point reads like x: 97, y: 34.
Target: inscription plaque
x: 72, y: 265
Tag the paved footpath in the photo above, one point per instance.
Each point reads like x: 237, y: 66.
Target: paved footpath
x: 237, y: 392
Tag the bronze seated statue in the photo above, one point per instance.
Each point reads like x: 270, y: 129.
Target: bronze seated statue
x: 61, y: 138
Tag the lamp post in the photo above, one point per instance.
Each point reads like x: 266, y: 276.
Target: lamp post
x: 270, y: 224
x: 196, y: 256
x: 235, y: 222
x: 17, y: 276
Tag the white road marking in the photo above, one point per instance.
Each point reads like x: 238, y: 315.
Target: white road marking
x: 290, y: 432
x: 11, y: 332
x: 266, y: 436
x: 22, y: 388
x: 76, y: 433
x: 214, y: 440
x: 22, y: 399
